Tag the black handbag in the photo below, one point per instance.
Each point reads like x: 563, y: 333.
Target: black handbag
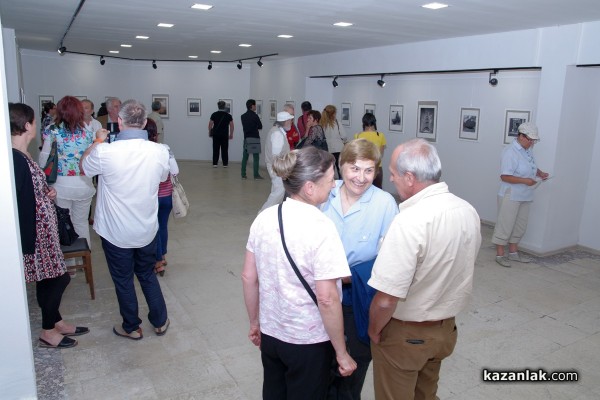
x: 334, y: 371
x: 66, y: 232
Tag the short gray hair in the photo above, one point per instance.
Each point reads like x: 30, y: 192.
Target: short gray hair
x: 109, y: 102
x: 133, y: 114
x: 420, y: 158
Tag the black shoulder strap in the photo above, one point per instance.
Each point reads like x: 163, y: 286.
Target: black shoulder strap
x: 289, y: 257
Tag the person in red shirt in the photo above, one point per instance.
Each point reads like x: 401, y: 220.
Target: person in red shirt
x: 292, y: 135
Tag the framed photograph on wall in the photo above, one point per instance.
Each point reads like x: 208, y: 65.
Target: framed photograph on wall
x: 194, y: 107
x: 163, y: 99
x: 427, y: 120
x: 397, y: 118
x: 513, y: 119
x: 228, y: 105
x: 259, y: 108
x: 369, y: 108
x: 469, y: 124
x: 346, y: 113
x: 44, y: 100
x: 273, y: 109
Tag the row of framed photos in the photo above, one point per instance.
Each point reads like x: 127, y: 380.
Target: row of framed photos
x: 427, y: 120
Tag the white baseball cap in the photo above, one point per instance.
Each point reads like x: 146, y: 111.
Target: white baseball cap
x: 283, y: 116
x: 530, y: 130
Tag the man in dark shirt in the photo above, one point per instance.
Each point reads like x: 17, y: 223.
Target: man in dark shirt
x: 251, y: 124
x: 220, y: 128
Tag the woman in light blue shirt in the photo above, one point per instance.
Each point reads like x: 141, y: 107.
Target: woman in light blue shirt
x: 519, y: 175
x: 362, y: 214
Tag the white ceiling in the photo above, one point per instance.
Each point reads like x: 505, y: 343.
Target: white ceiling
x: 103, y: 25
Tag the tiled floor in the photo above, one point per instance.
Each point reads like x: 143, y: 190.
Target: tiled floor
x: 540, y: 315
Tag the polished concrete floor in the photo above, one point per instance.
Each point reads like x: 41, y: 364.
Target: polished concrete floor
x: 540, y: 315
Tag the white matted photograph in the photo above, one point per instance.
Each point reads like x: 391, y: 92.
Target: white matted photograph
x: 369, y: 108
x: 45, y: 100
x: 346, y: 113
x: 228, y: 105
x: 163, y: 99
x: 469, y: 124
x: 259, y: 108
x: 273, y: 109
x: 427, y: 120
x: 194, y: 107
x: 397, y: 118
x: 513, y: 119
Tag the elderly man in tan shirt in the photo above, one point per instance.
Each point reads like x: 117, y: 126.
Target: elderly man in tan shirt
x: 423, y: 276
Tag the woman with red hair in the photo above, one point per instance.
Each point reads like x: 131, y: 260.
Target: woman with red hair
x: 74, y: 190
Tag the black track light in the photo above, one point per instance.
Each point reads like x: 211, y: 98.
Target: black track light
x: 154, y: 64
x: 62, y: 49
x: 334, y: 82
x: 260, y: 63
x: 209, y: 65
x: 493, y: 79
x: 381, y: 82
x: 239, y: 65
x: 102, y: 60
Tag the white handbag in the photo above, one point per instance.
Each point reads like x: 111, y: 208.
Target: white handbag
x: 181, y: 204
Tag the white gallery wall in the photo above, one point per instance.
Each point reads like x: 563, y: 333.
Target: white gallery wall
x: 470, y: 167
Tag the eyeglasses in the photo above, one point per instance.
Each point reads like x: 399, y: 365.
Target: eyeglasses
x: 530, y: 139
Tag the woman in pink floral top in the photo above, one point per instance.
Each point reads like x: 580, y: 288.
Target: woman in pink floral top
x: 74, y: 190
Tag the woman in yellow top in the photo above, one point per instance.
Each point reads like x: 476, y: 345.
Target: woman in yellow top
x: 378, y: 138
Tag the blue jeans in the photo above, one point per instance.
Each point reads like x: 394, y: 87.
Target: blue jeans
x: 165, y: 205
x: 123, y: 264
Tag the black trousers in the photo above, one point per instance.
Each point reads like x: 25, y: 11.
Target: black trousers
x: 295, y: 371
x: 49, y: 295
x: 221, y: 144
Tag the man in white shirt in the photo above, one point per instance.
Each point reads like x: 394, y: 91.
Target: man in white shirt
x: 423, y: 276
x: 276, y: 146
x: 91, y: 124
x: 155, y: 116
x: 129, y: 171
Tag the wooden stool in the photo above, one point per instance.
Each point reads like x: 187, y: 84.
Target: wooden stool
x: 80, y: 248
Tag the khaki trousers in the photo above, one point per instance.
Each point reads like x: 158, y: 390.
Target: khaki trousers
x: 407, y: 360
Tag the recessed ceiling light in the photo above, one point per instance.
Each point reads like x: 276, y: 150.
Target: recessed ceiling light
x: 114, y: 51
x: 125, y: 45
x: 285, y: 36
x: 216, y: 51
x: 163, y: 25
x: 245, y: 45
x: 344, y: 24
x: 199, y: 6
x: 142, y: 37
x: 434, y: 6
x: 192, y: 56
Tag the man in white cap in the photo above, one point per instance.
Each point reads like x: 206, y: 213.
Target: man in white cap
x: 519, y: 176
x: 277, y: 145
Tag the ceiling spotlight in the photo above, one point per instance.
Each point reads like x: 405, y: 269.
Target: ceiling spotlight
x: 239, y: 65
x: 154, y: 64
x: 102, y: 60
x: 381, y: 82
x: 334, y: 82
x: 209, y: 65
x: 493, y: 79
x: 62, y: 49
x: 259, y: 62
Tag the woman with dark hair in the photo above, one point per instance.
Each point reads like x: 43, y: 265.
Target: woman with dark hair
x: 315, y: 135
x: 334, y: 134
x: 370, y: 133
x: 48, y: 114
x: 297, y: 338
x: 42, y: 258
x: 165, y: 202
x: 74, y: 190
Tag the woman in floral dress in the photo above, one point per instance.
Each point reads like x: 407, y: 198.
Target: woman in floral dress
x: 42, y: 256
x: 74, y: 190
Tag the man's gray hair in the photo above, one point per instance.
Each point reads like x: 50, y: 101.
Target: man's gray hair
x: 420, y: 158
x: 109, y: 102
x: 133, y: 114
